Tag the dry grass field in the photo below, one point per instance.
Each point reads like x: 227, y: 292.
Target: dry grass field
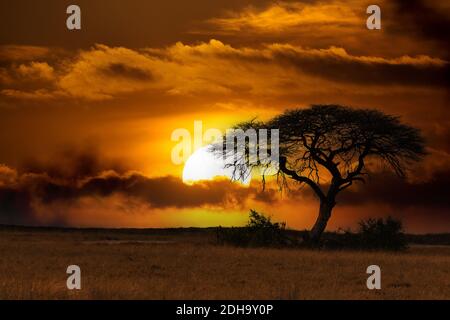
x: 183, y: 264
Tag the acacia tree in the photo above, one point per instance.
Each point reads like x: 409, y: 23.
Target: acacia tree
x: 328, y: 147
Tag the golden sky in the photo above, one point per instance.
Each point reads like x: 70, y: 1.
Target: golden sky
x: 87, y: 115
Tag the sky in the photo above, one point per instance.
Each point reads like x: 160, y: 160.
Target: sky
x: 87, y: 115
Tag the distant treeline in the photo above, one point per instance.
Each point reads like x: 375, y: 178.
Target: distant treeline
x: 429, y: 239
x: 241, y: 234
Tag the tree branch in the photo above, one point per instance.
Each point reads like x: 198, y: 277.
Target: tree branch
x: 302, y: 179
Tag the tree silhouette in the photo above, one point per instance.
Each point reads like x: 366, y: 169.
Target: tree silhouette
x: 328, y: 148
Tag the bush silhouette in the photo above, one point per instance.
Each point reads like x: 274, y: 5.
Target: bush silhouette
x: 260, y: 231
x: 372, y: 234
x: 381, y: 233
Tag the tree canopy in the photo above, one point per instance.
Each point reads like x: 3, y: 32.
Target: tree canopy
x: 337, y: 142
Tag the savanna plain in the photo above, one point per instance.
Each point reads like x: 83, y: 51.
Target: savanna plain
x: 188, y: 264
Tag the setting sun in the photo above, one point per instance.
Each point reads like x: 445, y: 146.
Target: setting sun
x: 204, y: 165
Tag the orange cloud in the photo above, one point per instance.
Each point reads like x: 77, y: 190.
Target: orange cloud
x: 23, y: 53
x: 215, y: 68
x: 287, y: 16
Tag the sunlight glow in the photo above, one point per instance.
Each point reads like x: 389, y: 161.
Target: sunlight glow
x: 203, y: 165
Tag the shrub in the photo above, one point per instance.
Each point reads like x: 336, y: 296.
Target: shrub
x: 381, y: 233
x: 260, y: 231
x: 372, y: 234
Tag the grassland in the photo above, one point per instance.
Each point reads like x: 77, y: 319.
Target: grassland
x: 186, y: 264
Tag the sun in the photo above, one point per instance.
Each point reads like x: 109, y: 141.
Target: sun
x: 204, y: 165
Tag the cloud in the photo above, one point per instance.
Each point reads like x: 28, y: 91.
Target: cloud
x: 7, y: 175
x: 126, y: 71
x: 384, y: 188
x: 32, y: 193
x: 29, y: 80
x: 215, y: 68
x: 285, y: 16
x: 36, y: 70
x: 80, y: 185
x: 429, y: 19
x: 73, y: 164
x: 28, y: 73
x: 40, y: 94
x: 104, y: 72
x: 10, y: 53
x: 412, y: 26
x: 335, y: 64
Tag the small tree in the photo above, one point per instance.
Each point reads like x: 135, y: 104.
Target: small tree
x: 382, y: 234
x: 332, y: 143
x: 260, y: 231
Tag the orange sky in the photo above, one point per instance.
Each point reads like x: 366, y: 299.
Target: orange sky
x: 100, y: 104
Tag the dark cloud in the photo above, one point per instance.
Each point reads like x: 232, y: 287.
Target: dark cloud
x: 159, y: 192
x: 126, y: 71
x: 15, y: 206
x: 28, y: 192
x: 14, y: 53
x: 438, y: 136
x: 136, y: 23
x: 424, y: 20
x: 82, y: 177
x: 363, y: 70
x: 385, y: 188
x: 73, y: 163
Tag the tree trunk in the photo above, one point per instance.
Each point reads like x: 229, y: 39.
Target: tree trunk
x: 321, y: 222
